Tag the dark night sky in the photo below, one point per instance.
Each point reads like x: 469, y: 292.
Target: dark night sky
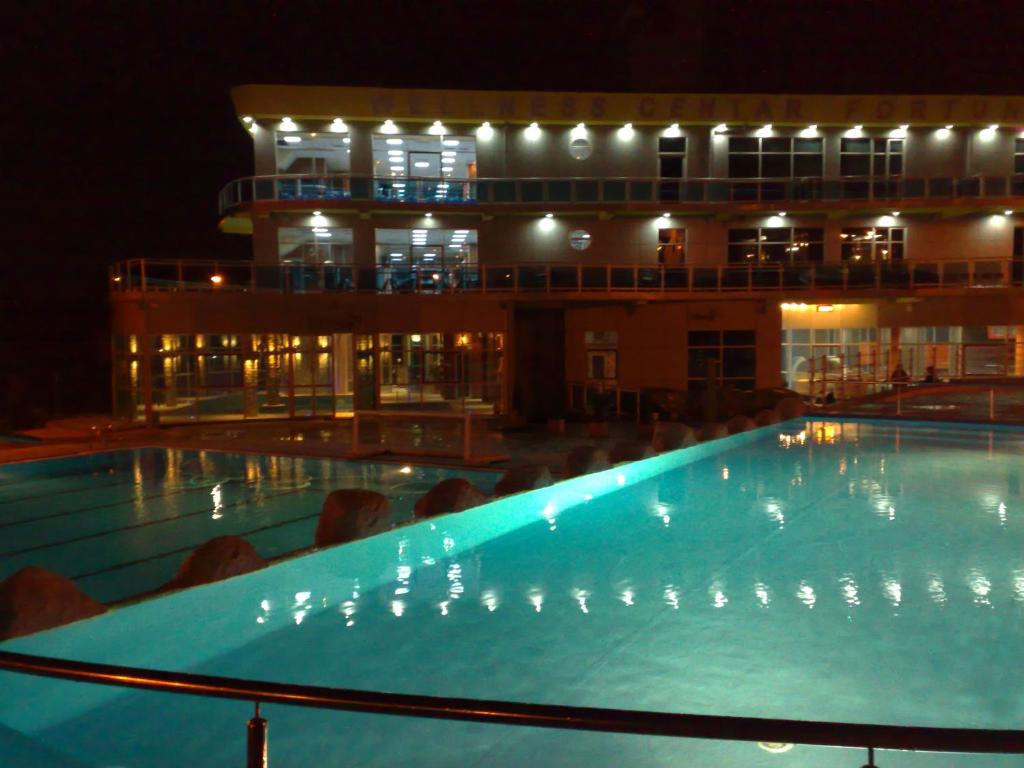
x: 121, y: 131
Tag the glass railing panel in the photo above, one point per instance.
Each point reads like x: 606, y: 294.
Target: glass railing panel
x: 648, y: 278
x: 613, y: 191
x: 560, y: 191
x: 940, y: 187
x: 926, y: 274
x: 968, y: 187
x: 165, y: 276
x: 774, y: 190
x: 798, y: 275
x: 587, y: 191
x: 466, y: 278
x: 955, y: 273
x: 359, y: 188
x: 828, y: 275
x: 893, y: 275
x: 564, y: 278
x: 676, y: 278
x: 641, y: 191
x: 594, y: 278
x: 368, y: 279
x: 806, y: 189
x: 244, y: 191
x: 745, y: 191
x: 988, y: 274
x: 338, y: 278
x: 705, y: 278
x: 885, y: 189
x: 483, y: 191
x: 995, y: 186
x: 623, y: 278
x: 235, y: 275
x: 263, y: 189
x: 694, y: 191
x: 719, y: 191
x: 736, y: 278
x: 855, y: 190
x: 831, y: 189
x: 532, y: 277
x: 913, y: 188
x: 287, y: 189
x: 860, y: 275
x: 1017, y: 186
x: 135, y: 272
x: 269, y: 278
x: 389, y: 190
x: 503, y: 191
x: 532, y: 191
x: 499, y: 278
x: 668, y: 191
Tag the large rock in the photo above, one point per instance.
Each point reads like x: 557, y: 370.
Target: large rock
x: 630, y: 451
x: 767, y: 417
x: 452, y: 495
x: 351, y: 513
x: 34, y: 599
x: 790, y: 408
x: 523, y: 479
x: 585, y: 459
x: 670, y: 436
x: 217, y: 559
x: 712, y: 431
x: 738, y: 424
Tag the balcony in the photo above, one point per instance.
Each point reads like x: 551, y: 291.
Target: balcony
x: 567, y: 279
x: 697, y: 193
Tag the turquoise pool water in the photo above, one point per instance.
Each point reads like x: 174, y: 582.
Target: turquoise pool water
x: 120, y: 523
x: 862, y: 572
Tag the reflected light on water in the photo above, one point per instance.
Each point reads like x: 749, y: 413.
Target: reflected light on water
x: 398, y: 608
x: 628, y: 596
x: 717, y: 594
x: 936, y: 589
x: 762, y: 594
x: 536, y: 598
x: 218, y: 502
x: 805, y: 594
x: 980, y: 585
x: 489, y: 600
x: 892, y: 590
x: 848, y: 588
x: 672, y: 597
x: 580, y: 596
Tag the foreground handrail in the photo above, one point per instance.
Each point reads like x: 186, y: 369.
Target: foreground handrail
x: 531, y: 715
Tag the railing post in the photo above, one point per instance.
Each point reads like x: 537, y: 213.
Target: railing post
x: 142, y: 274
x: 256, y: 743
x: 899, y: 398
x: 871, y: 758
x: 467, y: 434
x: 992, y: 404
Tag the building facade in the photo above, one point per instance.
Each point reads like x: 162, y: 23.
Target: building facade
x: 509, y: 252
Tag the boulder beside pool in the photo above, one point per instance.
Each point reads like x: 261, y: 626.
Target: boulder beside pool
x: 218, y: 559
x: 585, y: 459
x: 712, y: 431
x: 630, y: 451
x: 452, y: 495
x: 34, y: 599
x: 525, y: 478
x: 670, y: 436
x: 790, y: 408
x: 738, y: 424
x: 351, y: 513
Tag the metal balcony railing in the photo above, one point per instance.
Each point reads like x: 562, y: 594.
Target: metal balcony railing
x: 564, y: 278
x: 618, y: 190
x: 854, y: 735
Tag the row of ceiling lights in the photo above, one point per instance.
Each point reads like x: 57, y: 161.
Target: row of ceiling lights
x: 625, y: 133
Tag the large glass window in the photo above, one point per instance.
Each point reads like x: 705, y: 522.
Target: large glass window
x: 317, y: 245
x: 671, y: 246
x: 413, y: 168
x: 775, y: 157
x: 672, y: 157
x: 877, y: 158
x: 735, y: 353
x: 1018, y: 156
x: 425, y: 260
x: 873, y: 243
x: 312, y: 153
x: 776, y: 245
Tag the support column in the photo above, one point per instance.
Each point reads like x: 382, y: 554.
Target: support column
x: 1018, y: 351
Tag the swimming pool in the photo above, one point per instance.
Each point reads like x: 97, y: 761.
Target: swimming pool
x: 120, y: 523
x: 854, y: 571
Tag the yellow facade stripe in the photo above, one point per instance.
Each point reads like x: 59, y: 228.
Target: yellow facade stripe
x: 328, y: 102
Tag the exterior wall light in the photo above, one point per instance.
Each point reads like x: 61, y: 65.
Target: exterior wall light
x: 253, y: 128
x: 672, y: 131
x: 247, y: 119
x: 389, y: 127
x: 532, y: 132
x: 216, y: 279
x: 854, y: 132
x: 579, y: 132
x: 1007, y: 213
x: 437, y: 129
x: 626, y: 132
x: 895, y: 214
x: 485, y: 132
x: 429, y: 215
x: 764, y: 130
x: 944, y: 133
x: 989, y: 133
x: 720, y: 128
x: 338, y: 126
x: 899, y: 133
x: 666, y: 215
x: 809, y: 132
x: 288, y: 125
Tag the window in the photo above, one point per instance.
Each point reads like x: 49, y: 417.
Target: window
x: 671, y: 246
x: 877, y: 158
x: 579, y: 239
x: 873, y: 243
x: 424, y: 157
x: 672, y: 157
x: 734, y: 351
x: 1018, y: 156
x: 776, y: 245
x: 602, y: 354
x: 1018, y: 255
x: 322, y: 245
x: 580, y: 149
x: 774, y: 158
x: 425, y: 260
x: 312, y: 153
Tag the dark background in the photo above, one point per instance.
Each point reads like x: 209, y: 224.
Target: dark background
x: 121, y: 132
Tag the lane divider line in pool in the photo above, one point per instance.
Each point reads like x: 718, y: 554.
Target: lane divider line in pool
x: 145, y: 524
x: 140, y: 561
